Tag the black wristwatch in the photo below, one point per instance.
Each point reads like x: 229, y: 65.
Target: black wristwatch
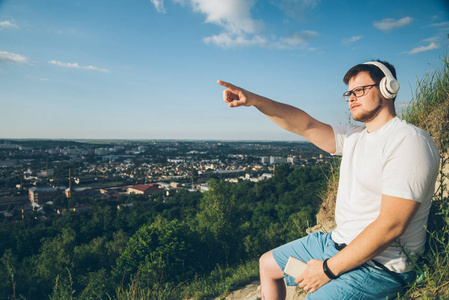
x: 328, y: 272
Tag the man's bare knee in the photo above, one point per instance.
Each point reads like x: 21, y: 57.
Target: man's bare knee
x: 269, y: 267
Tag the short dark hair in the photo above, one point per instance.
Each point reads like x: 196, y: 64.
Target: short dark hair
x: 374, y: 72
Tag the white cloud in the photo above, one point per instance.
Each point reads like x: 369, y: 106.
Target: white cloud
x: 8, y: 24
x: 13, y: 58
x: 234, y: 16
x: 431, y: 46
x: 432, y: 39
x: 159, y: 5
x: 441, y: 24
x: 37, y: 78
x: 390, y: 23
x: 76, y: 66
x: 227, y: 40
x: 299, y: 38
x: 240, y: 29
x: 351, y: 39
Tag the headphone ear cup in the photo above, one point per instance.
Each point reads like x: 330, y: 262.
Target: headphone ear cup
x: 388, y: 86
x: 393, y: 87
x: 383, y: 88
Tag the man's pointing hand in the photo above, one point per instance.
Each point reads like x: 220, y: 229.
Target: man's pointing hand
x: 235, y: 96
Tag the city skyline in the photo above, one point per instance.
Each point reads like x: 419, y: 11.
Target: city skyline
x: 147, y: 70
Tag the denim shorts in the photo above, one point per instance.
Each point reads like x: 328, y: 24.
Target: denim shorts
x: 363, y: 282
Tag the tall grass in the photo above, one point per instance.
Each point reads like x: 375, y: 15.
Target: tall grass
x: 222, y: 281
x: 430, y: 110
x: 218, y: 284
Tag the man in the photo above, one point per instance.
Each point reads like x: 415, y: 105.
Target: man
x: 387, y: 179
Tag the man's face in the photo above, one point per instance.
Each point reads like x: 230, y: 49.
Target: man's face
x: 364, y: 108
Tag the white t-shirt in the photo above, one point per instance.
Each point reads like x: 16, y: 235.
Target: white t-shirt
x: 399, y: 160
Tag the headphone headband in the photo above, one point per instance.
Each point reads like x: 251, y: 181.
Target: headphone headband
x: 389, y: 86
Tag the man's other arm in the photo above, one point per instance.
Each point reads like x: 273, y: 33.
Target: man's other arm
x: 394, y: 218
x: 286, y: 116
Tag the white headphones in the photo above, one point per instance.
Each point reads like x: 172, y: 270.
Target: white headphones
x: 388, y: 86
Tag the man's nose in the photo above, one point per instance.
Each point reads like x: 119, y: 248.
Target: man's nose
x: 352, y: 97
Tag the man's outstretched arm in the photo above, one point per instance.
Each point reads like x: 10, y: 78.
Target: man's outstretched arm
x: 288, y: 117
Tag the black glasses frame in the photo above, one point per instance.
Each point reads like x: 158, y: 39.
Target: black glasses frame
x: 359, y: 93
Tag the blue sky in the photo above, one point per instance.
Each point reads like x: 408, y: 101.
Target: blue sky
x: 147, y: 69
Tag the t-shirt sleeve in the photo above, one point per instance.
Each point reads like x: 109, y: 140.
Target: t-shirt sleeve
x: 410, y: 167
x: 341, y: 133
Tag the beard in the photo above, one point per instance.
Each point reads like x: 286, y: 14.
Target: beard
x: 368, y: 116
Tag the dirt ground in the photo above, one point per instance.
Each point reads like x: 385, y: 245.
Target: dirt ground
x: 252, y: 292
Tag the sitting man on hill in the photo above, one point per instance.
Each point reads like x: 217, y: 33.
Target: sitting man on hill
x: 387, y: 179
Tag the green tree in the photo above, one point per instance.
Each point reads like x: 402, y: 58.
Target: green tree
x: 63, y: 286
x: 91, y: 256
x: 8, y: 276
x: 96, y: 285
x: 297, y: 224
x: 116, y: 246
x: 159, y: 253
x: 55, y: 256
x: 218, y: 222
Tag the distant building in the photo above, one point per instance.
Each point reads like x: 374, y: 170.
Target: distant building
x: 8, y: 145
x: 292, y: 160
x: 46, y: 173
x: 42, y: 195
x: 174, y: 185
x: 233, y: 180
x: 204, y: 188
x: 176, y: 161
x: 82, y: 207
x: 37, y: 207
x: 8, y: 163
x: 87, y: 179
x: 5, y: 214
x: 78, y: 191
x: 264, y: 160
x: 277, y: 160
x: 164, y: 185
x: 101, y: 151
x: 266, y: 176
x: 143, y: 189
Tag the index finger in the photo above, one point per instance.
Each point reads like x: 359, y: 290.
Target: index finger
x: 224, y: 83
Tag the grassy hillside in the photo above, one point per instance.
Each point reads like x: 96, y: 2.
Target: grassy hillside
x: 430, y: 111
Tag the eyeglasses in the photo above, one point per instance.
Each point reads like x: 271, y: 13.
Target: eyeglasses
x: 358, y: 91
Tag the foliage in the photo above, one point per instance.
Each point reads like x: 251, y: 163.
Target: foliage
x: 158, y: 250
x: 221, y: 281
x: 430, y: 111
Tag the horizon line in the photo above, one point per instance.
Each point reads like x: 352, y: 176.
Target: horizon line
x: 149, y: 140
